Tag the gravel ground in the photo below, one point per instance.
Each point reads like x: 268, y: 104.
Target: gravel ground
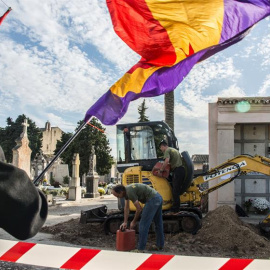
x: 19, y: 266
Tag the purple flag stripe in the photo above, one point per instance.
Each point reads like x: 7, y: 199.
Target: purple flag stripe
x: 110, y: 108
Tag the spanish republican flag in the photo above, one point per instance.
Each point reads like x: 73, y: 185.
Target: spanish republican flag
x: 171, y: 36
x: 5, y: 15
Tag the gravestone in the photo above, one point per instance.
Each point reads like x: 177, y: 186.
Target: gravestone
x: 75, y: 190
x: 38, y: 165
x: 84, y: 180
x: 2, y: 155
x: 92, y: 177
x: 59, y: 172
x: 22, y: 152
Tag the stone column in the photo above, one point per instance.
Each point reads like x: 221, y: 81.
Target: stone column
x: 22, y: 152
x: 213, y: 120
x: 75, y: 190
x: 92, y: 177
x: 225, y: 142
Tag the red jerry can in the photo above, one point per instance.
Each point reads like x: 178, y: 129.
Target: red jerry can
x: 125, y: 240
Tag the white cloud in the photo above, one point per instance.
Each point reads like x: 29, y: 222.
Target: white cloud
x: 232, y: 91
x: 58, y: 57
x: 45, y: 61
x: 200, y: 88
x: 48, y: 80
x: 263, y: 48
x: 247, y: 52
x: 54, y: 23
x: 265, y: 88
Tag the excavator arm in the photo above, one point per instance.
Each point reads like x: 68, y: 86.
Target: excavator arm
x: 231, y: 169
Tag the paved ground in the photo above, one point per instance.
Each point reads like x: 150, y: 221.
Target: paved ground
x: 65, y: 210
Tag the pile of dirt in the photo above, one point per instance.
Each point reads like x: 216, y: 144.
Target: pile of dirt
x: 222, y: 234
x: 222, y: 227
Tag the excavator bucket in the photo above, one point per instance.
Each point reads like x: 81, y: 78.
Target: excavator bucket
x: 265, y: 226
x: 98, y: 214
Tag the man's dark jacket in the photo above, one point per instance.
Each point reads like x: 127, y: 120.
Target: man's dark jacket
x: 23, y: 207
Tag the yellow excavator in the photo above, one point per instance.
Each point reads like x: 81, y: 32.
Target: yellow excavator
x: 138, y: 153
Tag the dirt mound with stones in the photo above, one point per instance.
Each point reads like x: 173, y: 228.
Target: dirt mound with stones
x: 223, y: 227
x: 222, y: 234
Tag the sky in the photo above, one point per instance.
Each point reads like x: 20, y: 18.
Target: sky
x: 57, y: 57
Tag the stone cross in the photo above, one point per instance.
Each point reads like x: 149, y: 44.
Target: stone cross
x: 22, y: 152
x: 25, y: 125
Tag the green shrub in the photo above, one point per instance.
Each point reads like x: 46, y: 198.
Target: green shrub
x: 52, y: 180
x: 66, y: 180
x: 54, y: 192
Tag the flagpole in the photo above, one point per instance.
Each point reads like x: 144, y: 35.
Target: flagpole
x: 64, y: 147
x: 4, y: 3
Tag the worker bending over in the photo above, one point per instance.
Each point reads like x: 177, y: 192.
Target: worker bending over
x: 152, y: 211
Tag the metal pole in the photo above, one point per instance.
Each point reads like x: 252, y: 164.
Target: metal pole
x: 64, y: 147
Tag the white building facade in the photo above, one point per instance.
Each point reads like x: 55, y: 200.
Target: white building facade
x: 50, y: 137
x: 239, y: 126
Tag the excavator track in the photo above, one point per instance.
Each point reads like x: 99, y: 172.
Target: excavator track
x: 173, y: 222
x: 188, y: 219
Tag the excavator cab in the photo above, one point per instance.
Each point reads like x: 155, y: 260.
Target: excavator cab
x: 138, y: 144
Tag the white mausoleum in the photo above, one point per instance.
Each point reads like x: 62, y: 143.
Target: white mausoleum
x: 239, y: 126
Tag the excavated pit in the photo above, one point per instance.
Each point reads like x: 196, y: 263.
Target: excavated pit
x: 222, y: 234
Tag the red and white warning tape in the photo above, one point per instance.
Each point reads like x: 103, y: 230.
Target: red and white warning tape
x: 80, y: 258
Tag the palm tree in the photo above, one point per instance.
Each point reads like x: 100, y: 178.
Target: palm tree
x: 169, y: 109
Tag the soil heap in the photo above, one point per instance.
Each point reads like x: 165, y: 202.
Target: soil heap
x: 222, y: 234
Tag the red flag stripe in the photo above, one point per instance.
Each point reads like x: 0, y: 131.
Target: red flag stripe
x: 80, y: 259
x: 134, y: 23
x: 16, y: 252
x: 155, y: 261
x: 4, y: 15
x: 236, y: 264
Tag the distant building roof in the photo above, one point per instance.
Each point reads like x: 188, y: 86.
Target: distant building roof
x: 251, y: 100
x: 200, y: 158
x: 44, y: 129
x: 49, y: 127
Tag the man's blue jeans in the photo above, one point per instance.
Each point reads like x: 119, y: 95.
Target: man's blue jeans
x: 152, y: 211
